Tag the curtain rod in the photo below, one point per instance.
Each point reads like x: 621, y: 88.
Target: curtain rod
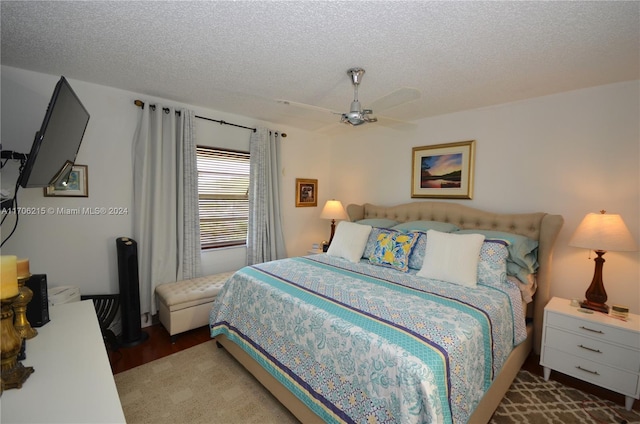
x: 140, y: 104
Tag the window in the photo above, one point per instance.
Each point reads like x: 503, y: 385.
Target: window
x: 223, y: 188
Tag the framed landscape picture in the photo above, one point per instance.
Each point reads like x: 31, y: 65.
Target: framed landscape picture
x: 77, y: 185
x: 306, y: 192
x: 443, y: 170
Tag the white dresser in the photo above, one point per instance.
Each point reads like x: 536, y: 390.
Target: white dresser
x: 592, y: 347
x: 72, y: 380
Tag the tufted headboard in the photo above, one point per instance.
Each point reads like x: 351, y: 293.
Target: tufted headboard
x: 539, y: 226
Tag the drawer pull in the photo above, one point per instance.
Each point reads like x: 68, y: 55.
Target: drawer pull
x: 586, y: 370
x: 590, y: 349
x: 591, y: 329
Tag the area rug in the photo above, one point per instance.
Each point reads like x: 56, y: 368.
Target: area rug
x: 199, y: 385
x: 531, y: 400
x: 204, y: 384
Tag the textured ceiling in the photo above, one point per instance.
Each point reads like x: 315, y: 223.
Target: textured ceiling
x: 241, y: 56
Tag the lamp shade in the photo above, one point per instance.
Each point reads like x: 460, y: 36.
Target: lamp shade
x: 333, y: 209
x: 603, y: 231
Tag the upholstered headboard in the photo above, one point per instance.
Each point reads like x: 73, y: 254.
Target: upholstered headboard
x: 539, y: 226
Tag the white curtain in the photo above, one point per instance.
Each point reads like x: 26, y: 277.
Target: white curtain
x: 265, y: 240
x: 166, y: 222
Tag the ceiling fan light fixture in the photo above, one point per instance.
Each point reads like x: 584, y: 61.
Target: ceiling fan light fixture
x: 356, y: 116
x: 352, y: 118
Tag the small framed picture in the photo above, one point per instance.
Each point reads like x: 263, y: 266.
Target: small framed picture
x: 443, y: 170
x: 77, y: 185
x: 306, y: 192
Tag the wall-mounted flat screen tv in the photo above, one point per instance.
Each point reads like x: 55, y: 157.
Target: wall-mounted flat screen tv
x: 57, y: 143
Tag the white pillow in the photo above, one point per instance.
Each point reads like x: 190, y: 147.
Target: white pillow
x: 452, y: 257
x: 349, y: 240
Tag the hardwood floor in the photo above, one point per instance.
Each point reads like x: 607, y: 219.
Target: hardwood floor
x: 159, y: 345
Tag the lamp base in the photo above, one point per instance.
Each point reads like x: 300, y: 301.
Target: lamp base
x: 15, y: 377
x: 600, y: 307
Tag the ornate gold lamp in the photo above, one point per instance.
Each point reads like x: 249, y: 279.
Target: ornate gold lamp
x: 601, y: 232
x: 14, y: 374
x: 333, y: 210
x: 21, y: 323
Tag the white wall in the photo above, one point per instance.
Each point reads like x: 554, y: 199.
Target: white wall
x: 569, y: 154
x: 80, y: 250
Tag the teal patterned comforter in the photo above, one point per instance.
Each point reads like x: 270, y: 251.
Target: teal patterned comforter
x: 359, y: 343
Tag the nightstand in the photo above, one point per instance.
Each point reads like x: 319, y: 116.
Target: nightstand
x: 593, y: 347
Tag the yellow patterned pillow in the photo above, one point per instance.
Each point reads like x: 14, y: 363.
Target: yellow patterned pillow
x: 392, y: 249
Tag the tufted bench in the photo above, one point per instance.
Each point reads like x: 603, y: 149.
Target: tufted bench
x: 185, y: 305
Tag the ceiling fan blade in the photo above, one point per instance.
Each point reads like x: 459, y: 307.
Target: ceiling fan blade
x: 396, y: 98
x: 395, y: 124
x: 307, y: 106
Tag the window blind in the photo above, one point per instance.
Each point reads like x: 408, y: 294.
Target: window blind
x: 223, y: 188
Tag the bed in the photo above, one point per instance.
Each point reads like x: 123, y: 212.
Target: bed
x: 389, y: 335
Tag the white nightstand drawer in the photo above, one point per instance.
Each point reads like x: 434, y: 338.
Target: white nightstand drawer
x: 593, y: 372
x: 593, y: 349
x: 593, y: 329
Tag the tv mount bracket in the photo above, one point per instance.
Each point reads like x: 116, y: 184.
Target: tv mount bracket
x: 10, y: 154
x: 7, y: 204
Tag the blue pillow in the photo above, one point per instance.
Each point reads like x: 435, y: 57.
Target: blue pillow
x: 492, y: 266
x: 523, y: 251
x: 378, y: 222
x: 416, y: 257
x: 372, y: 241
x: 425, y: 226
x: 392, y: 249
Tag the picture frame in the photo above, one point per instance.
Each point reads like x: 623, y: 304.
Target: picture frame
x: 443, y: 170
x: 306, y: 192
x: 77, y: 184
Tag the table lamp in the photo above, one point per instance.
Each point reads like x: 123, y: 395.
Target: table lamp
x: 601, y: 232
x: 333, y: 210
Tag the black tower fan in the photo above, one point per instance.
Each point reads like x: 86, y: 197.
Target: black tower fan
x: 132, y: 333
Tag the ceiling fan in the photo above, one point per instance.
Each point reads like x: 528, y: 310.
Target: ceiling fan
x: 357, y: 115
